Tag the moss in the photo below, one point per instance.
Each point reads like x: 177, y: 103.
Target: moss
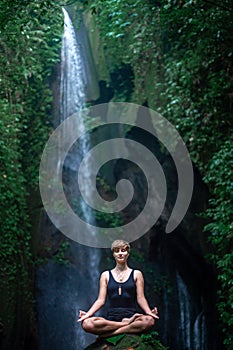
x: 147, y: 341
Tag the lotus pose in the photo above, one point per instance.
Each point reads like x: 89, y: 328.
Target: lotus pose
x: 124, y: 287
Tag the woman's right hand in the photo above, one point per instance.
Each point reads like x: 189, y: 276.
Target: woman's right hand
x: 82, y: 316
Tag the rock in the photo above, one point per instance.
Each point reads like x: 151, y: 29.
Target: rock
x: 147, y: 341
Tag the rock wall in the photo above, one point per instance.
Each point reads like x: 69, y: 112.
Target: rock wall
x: 179, y: 279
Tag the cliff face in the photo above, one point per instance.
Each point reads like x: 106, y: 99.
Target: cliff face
x: 179, y: 279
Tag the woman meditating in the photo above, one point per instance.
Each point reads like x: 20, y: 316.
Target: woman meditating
x: 124, y: 287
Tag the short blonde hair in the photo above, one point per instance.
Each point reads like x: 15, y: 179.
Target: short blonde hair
x: 120, y: 243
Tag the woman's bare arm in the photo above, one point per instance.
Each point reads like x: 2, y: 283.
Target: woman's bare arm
x: 100, y: 301
x: 141, y: 299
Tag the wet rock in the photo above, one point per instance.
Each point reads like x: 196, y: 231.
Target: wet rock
x: 127, y: 342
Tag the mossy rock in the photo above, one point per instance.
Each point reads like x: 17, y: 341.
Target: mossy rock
x: 147, y: 341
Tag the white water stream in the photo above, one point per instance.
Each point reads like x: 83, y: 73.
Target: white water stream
x: 192, y: 335
x: 74, y: 80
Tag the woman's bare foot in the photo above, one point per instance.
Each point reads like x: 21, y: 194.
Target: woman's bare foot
x: 124, y: 322
x: 131, y: 319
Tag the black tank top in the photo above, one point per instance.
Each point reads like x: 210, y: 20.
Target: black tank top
x: 127, y: 299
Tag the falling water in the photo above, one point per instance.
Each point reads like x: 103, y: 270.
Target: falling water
x: 72, y: 91
x: 62, y: 290
x: 185, y: 310
x: 192, y: 325
x: 199, y: 332
x: 73, y: 87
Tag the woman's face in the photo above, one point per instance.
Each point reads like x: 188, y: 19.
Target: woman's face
x: 121, y: 254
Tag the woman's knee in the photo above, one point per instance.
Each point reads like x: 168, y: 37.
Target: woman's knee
x: 149, y: 321
x: 87, y: 325
x: 91, y: 324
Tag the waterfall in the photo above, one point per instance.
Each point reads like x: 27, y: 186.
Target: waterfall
x: 73, y: 87
x: 62, y: 290
x: 199, y: 332
x: 185, y: 311
x: 72, y: 95
x: 78, y: 75
x: 192, y: 325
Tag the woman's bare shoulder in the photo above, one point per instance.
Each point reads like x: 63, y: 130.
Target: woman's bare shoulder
x: 105, y: 275
x: 138, y: 274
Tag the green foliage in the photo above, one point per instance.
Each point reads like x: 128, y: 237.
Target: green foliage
x: 136, y: 257
x: 219, y: 178
x: 129, y: 341
x: 61, y: 256
x: 181, y: 56
x: 126, y: 31
x: 109, y: 220
x: 150, y: 339
x: 161, y: 284
x: 30, y: 35
x: 103, y: 218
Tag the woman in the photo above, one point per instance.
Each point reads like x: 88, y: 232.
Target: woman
x: 123, y: 287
